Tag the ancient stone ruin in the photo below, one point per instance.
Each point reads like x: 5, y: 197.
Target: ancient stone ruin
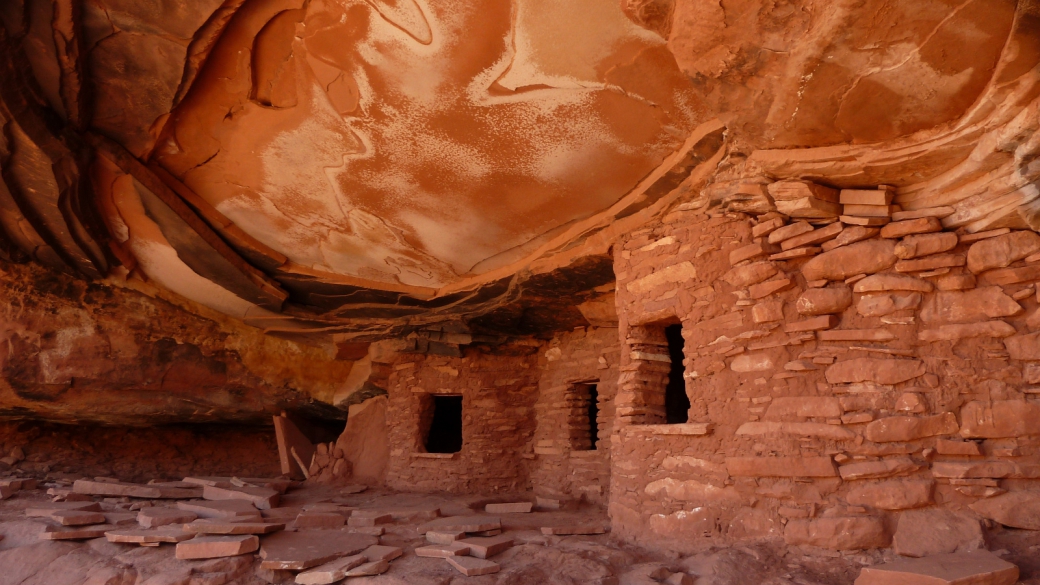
x: 430, y: 292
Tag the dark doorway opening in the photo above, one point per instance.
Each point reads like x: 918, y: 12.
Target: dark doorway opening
x: 445, y: 434
x: 593, y: 411
x: 676, y: 403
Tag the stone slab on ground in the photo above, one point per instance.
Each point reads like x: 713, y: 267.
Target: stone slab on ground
x: 368, y: 518
x: 77, y: 517
x: 462, y: 524
x: 319, y: 520
x: 369, y: 569
x: 6, y: 491
x: 484, y: 547
x: 145, y: 536
x: 261, y: 498
x: 44, y: 509
x: 217, y: 526
x: 277, y: 484
x: 972, y: 568
x: 304, y: 549
x: 442, y: 551
x: 471, y: 567
x: 509, y: 508
x: 379, y: 552
x: 444, y: 536
x: 132, y: 490
x: 220, y: 509
x: 574, y: 529
x: 75, y: 532
x: 1016, y: 509
x: 155, y: 516
x: 331, y: 571
x: 211, y: 547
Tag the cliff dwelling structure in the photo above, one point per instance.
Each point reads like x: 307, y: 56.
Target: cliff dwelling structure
x: 520, y: 292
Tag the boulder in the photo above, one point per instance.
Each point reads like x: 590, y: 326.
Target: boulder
x: 823, y: 301
x: 1019, y: 509
x: 974, y: 568
x: 892, y: 495
x: 996, y: 419
x: 838, y: 533
x: 934, y: 531
x: 879, y: 371
x: 866, y: 257
x: 1002, y: 250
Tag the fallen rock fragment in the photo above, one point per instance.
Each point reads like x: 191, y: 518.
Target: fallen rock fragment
x: 261, y: 498
x: 368, y: 569
x: 44, y: 509
x: 76, y: 532
x: 444, y: 536
x: 442, y: 551
x: 155, y: 516
x: 575, y: 529
x: 472, y: 567
x: 210, y: 547
x: 304, y: 549
x: 77, y: 517
x: 462, y: 524
x: 319, y: 520
x: 145, y: 536
x: 221, y: 509
x: 483, y: 548
x: 379, y: 552
x: 217, y: 526
x: 132, y: 490
x: 972, y: 568
x: 331, y: 571
x: 509, y: 508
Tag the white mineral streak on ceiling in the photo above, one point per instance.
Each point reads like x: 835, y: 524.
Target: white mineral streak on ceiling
x: 440, y: 166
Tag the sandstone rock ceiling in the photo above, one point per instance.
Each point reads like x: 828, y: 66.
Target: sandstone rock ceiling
x: 365, y: 168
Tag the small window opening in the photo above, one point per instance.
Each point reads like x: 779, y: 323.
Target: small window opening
x: 676, y: 402
x: 445, y: 434
x: 583, y: 421
x: 593, y: 411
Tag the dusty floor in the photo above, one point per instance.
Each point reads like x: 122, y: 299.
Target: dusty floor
x: 56, y: 453
x: 536, y: 558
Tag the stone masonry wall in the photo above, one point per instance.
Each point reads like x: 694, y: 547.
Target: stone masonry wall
x: 562, y: 463
x: 849, y: 384
x: 498, y: 422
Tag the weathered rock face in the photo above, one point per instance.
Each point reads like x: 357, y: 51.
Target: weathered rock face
x: 79, y: 352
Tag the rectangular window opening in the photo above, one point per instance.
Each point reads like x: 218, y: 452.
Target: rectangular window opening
x: 676, y: 402
x: 445, y: 433
x: 583, y: 423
